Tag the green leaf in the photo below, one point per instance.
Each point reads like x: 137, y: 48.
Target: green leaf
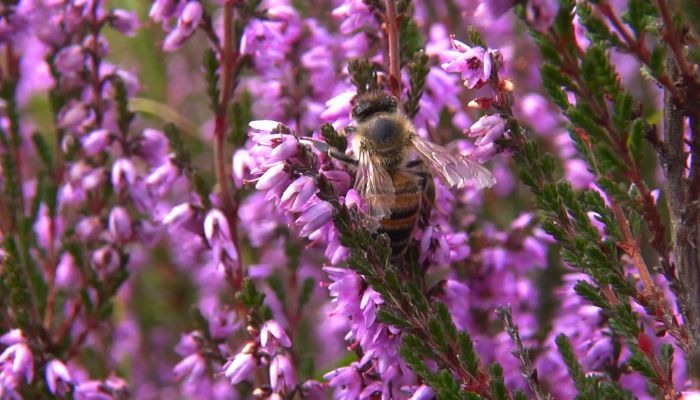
x: 307, y: 289
x: 467, y: 355
x: 635, y: 140
x: 42, y: 149
x: 572, y: 364
x: 639, y: 363
x: 211, y: 75
x: 590, y: 293
x: 333, y: 138
x: 498, y: 386
x: 418, y: 70
x: 390, y: 318
x: 363, y: 75
x: 412, y: 40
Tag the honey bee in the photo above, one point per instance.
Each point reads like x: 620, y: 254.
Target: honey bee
x: 396, y: 186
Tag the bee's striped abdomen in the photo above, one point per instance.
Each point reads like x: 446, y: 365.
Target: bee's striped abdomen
x: 407, y: 201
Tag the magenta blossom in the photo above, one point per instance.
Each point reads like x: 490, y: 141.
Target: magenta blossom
x: 473, y: 63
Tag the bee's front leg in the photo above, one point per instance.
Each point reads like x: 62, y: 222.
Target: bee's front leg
x: 342, y: 157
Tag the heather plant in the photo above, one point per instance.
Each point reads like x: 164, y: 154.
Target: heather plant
x: 176, y: 221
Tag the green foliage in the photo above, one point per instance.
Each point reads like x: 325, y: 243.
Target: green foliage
x: 498, y: 386
x: 211, y: 75
x: 640, y: 14
x: 183, y: 160
x: 240, y: 114
x: 412, y: 40
x: 572, y: 364
x: 333, y: 138
x: 363, y: 75
x: 418, y: 70
x: 121, y: 98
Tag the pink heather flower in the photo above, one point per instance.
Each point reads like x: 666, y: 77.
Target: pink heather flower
x: 273, y: 177
x: 272, y: 329
x: 70, y: 59
x: 153, y: 146
x: 191, y: 369
x: 423, y: 393
x: 160, y: 179
x: 162, y: 10
x: 186, y: 26
x: 314, y: 218
x: 124, y: 21
x: 16, y: 362
x: 281, y: 373
x: 347, y: 381
x: 58, y: 378
x: 179, y: 214
x: 120, y: 224
x: 67, y: 273
x: 541, y: 13
x: 473, y: 63
x: 487, y: 129
x: 298, y: 193
x: 113, y: 387
x: 240, y: 367
x: 95, y: 141
x: 123, y: 173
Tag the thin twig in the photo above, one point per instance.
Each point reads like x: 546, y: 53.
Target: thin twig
x: 392, y: 27
x: 522, y: 354
x: 673, y: 39
x: 230, y: 209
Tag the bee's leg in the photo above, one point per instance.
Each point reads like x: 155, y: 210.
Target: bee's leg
x: 338, y: 155
x: 414, y: 164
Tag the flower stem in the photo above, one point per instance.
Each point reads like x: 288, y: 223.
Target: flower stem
x: 392, y: 27
x: 230, y: 208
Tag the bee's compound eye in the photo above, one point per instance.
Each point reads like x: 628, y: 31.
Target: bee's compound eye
x: 361, y: 110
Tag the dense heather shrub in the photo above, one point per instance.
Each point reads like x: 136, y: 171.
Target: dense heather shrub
x: 180, y: 215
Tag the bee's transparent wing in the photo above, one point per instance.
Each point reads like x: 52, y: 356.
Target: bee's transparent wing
x: 374, y: 185
x: 455, y: 170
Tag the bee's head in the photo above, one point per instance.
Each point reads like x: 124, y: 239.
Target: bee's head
x: 368, y: 104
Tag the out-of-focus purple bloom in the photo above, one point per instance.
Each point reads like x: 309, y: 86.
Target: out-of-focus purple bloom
x: 240, y: 367
x: 347, y: 381
x: 541, y: 13
x: 191, y: 369
x: 281, y: 373
x: 70, y: 59
x: 101, y: 390
x: 423, y: 393
x: 161, y: 178
x: 16, y: 361
x: 58, y: 378
x: 123, y: 173
x: 124, y: 21
x: 492, y: 9
x: 162, y: 10
x: 95, y: 141
x: 473, y: 63
x: 120, y: 224
x: 153, y: 146
x: 67, y: 273
x: 186, y: 25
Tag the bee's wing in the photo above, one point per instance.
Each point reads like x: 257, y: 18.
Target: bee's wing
x: 455, y: 170
x: 373, y: 183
